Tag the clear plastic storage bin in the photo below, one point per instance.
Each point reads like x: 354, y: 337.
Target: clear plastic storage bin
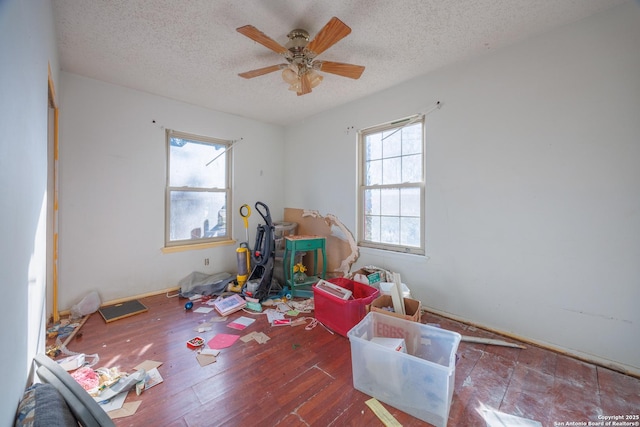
x: 419, y: 382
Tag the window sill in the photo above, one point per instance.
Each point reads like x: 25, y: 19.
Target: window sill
x: 385, y: 252
x: 196, y: 246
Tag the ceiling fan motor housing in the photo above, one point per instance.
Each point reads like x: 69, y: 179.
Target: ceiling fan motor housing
x: 298, y: 40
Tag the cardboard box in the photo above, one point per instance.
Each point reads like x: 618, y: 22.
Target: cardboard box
x: 411, y: 307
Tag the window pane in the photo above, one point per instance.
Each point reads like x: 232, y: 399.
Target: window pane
x: 412, y: 139
x: 392, y: 143
x: 410, y: 231
x: 390, y: 230
x: 410, y: 202
x: 372, y: 228
x: 188, y: 164
x: 391, y: 170
x: 412, y: 168
x: 390, y: 201
x: 372, y: 202
x: 373, y: 147
x: 374, y: 173
x: 197, y: 214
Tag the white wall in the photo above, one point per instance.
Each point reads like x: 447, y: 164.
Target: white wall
x: 533, y: 186
x: 26, y: 48
x: 112, y: 163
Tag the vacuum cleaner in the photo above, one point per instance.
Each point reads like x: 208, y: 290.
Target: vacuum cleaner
x: 260, y: 261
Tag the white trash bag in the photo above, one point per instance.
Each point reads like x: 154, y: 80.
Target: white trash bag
x: 89, y: 304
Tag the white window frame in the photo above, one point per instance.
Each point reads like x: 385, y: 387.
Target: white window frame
x: 362, y: 187
x: 208, y: 241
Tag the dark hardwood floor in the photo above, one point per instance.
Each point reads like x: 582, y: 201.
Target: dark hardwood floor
x: 303, y: 377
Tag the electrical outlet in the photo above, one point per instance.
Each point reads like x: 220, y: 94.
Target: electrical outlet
x: 206, y: 261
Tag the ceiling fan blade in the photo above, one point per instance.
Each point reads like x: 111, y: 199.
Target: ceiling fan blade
x: 330, y: 34
x: 305, y: 84
x: 262, y: 71
x: 339, y: 68
x: 256, y: 35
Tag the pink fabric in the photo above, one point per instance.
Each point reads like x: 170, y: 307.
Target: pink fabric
x: 87, y: 378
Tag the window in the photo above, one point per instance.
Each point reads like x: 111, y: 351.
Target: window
x: 391, y: 186
x: 198, y: 189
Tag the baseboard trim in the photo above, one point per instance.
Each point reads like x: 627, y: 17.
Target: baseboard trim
x: 584, y: 357
x: 119, y: 300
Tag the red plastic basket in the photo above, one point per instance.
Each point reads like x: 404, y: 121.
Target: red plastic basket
x: 341, y: 315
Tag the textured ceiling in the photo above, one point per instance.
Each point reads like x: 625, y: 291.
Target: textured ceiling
x: 189, y: 50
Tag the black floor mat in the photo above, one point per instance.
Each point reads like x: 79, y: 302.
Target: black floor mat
x: 122, y: 310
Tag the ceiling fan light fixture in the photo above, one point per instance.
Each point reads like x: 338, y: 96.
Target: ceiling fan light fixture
x: 295, y: 87
x: 314, y: 78
x: 289, y: 75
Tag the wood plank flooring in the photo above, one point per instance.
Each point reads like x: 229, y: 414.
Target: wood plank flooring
x: 303, y: 377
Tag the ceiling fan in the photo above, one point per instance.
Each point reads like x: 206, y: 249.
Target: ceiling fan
x: 300, y: 71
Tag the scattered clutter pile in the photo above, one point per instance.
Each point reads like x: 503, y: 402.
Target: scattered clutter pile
x: 109, y: 387
x: 62, y: 329
x: 279, y: 312
x: 371, y: 307
x: 342, y: 302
